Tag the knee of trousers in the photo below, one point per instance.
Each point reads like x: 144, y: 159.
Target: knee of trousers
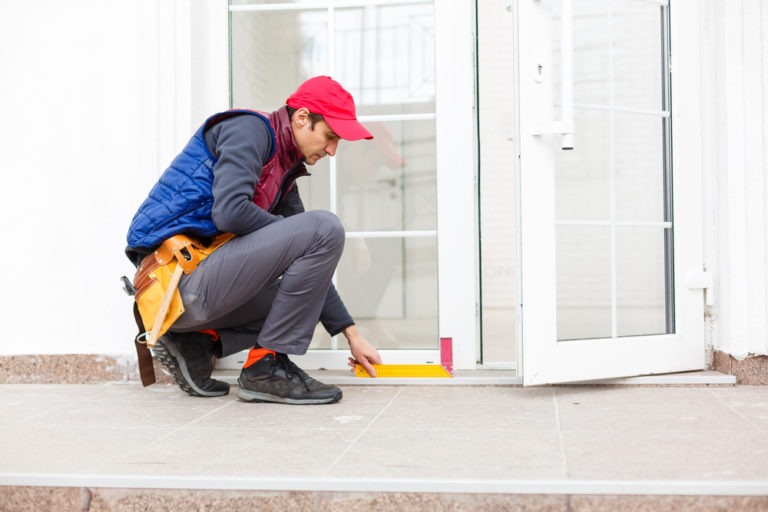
x: 329, y: 228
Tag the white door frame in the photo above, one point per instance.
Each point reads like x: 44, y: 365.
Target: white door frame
x: 455, y: 154
x: 544, y: 360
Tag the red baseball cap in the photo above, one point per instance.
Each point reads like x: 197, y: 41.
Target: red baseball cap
x: 325, y: 96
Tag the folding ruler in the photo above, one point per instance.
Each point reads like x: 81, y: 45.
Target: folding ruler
x: 444, y: 369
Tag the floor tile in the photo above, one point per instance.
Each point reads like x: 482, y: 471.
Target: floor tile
x: 256, y: 452
x: 25, y: 449
x: 500, y: 395
x: 346, y: 416
x: 452, y: 454
x: 658, y: 454
x: 172, y: 412
x: 750, y: 402
x: 672, y: 414
x: 473, y: 416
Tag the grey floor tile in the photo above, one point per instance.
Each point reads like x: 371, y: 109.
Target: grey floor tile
x: 677, y: 455
x: 273, y: 452
x: 471, y: 416
x: 501, y: 395
x: 26, y: 449
x: 672, y: 414
x: 749, y: 402
x: 25, y: 401
x: 627, y: 394
x: 452, y: 454
x: 345, y: 416
x: 173, y: 411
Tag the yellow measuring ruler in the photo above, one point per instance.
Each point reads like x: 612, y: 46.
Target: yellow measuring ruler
x: 404, y: 370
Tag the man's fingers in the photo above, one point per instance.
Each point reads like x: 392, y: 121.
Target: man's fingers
x: 368, y: 367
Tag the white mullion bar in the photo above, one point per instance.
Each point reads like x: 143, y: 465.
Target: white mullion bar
x: 396, y: 117
x: 303, y: 6
x: 612, y: 174
x: 392, y: 234
x: 648, y: 112
x: 622, y: 223
x: 333, y: 176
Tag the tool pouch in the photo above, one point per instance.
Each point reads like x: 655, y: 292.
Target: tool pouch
x: 151, y: 282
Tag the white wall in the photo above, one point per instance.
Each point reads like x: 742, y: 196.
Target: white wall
x: 735, y: 138
x: 91, y: 114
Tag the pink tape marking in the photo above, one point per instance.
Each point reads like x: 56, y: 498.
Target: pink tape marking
x: 446, y: 354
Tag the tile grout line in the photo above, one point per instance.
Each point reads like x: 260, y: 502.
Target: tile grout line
x: 367, y: 427
x: 176, y: 430
x: 563, y: 455
x: 729, y: 406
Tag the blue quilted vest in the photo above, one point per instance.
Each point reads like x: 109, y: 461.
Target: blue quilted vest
x: 182, y: 199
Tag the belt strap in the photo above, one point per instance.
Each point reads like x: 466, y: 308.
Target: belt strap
x: 146, y: 367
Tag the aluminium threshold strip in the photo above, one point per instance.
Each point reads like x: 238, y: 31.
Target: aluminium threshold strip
x: 410, y: 485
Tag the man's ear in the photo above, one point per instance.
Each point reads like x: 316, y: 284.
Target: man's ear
x: 301, y: 117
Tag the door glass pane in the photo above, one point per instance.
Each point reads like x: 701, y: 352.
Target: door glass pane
x: 639, y: 167
x: 498, y: 184
x: 583, y: 176
x: 636, y: 51
x: 640, y: 281
x: 389, y: 184
x: 385, y: 56
x: 583, y: 256
x: 614, y: 247
x: 388, y: 285
x: 298, y: 50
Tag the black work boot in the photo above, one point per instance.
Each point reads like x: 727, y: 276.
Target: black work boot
x: 275, y: 378
x: 189, y: 358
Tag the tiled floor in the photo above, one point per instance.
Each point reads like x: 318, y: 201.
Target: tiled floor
x: 388, y: 433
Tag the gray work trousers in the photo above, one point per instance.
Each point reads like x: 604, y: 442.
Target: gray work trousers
x: 266, y: 288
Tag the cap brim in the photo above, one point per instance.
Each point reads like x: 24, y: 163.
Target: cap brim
x: 348, y: 129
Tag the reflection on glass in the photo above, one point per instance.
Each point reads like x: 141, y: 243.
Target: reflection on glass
x: 640, y: 282
x: 273, y: 52
x: 582, y: 176
x: 388, y: 184
x: 498, y: 184
x: 583, y: 282
x: 639, y: 167
x: 637, y: 45
x: 385, y: 57
x: 390, y: 287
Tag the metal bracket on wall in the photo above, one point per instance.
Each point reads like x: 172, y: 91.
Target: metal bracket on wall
x: 701, y: 279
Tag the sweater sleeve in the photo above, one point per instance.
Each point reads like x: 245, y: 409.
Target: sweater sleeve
x: 334, y: 316
x: 241, y: 144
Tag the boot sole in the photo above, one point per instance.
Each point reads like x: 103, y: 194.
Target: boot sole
x: 255, y: 396
x: 168, y: 356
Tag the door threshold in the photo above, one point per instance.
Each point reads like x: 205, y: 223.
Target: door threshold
x: 504, y: 378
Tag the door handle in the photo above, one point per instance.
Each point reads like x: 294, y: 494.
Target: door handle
x: 565, y: 126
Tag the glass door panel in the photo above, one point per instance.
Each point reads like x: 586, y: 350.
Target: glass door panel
x: 384, y: 191
x: 496, y: 81
x: 613, y: 181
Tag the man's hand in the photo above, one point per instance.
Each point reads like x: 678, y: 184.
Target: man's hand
x: 362, y: 351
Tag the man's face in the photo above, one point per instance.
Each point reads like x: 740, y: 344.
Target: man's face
x: 315, y: 143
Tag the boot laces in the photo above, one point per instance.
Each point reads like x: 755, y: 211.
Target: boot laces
x: 290, y: 368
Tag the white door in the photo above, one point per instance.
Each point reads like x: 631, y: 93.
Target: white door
x: 406, y: 273
x: 610, y: 189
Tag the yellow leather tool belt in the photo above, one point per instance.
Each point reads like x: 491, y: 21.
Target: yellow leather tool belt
x: 154, y: 276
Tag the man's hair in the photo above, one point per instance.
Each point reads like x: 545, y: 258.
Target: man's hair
x: 314, y: 118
